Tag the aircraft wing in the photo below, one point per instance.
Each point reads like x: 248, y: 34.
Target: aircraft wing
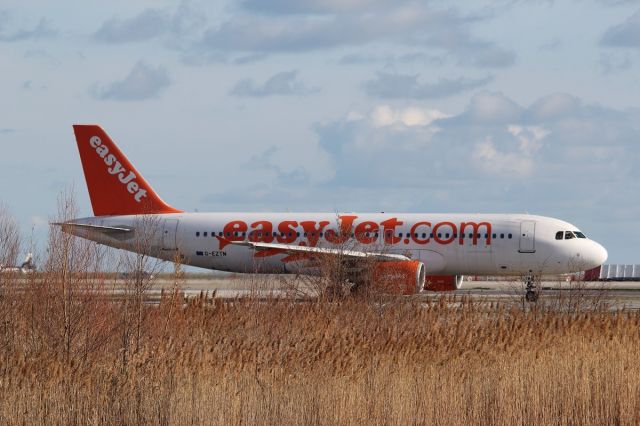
x: 292, y: 249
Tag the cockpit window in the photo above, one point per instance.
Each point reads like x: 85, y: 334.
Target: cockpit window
x: 567, y: 235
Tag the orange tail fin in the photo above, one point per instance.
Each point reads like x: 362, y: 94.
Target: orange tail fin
x: 115, y: 186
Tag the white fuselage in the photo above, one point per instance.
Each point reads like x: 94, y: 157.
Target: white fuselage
x: 447, y: 244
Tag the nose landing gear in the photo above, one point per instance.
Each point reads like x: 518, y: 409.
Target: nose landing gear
x: 532, y: 293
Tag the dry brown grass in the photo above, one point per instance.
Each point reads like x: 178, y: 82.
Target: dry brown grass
x: 326, y: 363
x: 68, y: 355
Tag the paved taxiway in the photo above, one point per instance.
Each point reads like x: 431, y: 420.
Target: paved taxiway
x: 615, y: 295
x: 610, y: 295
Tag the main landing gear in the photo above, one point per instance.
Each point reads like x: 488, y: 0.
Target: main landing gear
x: 532, y: 293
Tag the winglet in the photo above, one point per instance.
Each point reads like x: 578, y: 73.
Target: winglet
x: 115, y: 186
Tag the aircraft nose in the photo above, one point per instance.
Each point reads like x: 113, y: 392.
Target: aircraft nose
x: 597, y: 254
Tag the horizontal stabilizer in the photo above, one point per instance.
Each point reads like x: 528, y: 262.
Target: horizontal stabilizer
x: 103, y: 229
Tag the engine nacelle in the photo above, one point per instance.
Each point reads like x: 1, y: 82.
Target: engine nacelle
x: 443, y: 282
x: 401, y: 277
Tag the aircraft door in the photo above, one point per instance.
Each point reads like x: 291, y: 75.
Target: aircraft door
x: 527, y: 236
x: 170, y: 235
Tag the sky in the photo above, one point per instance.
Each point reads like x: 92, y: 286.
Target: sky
x: 500, y: 106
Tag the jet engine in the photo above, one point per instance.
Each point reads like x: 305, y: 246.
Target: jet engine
x: 400, y: 277
x: 443, y: 282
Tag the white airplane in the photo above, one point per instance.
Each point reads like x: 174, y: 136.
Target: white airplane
x: 426, y: 251
x: 25, y: 268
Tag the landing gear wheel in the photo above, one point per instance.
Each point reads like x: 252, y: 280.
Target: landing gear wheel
x: 531, y: 295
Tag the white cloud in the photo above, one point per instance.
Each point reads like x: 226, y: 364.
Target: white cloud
x: 395, y: 85
x: 10, y: 33
x: 530, y: 137
x: 625, y: 34
x: 384, y: 115
x: 315, y: 6
x: 354, y: 116
x: 612, y: 62
x: 554, y: 107
x: 172, y: 23
x: 275, y: 30
x: 489, y: 159
x: 495, y: 149
x: 519, y: 160
x: 493, y: 107
x: 142, y: 82
x: 146, y: 25
x: 284, y: 83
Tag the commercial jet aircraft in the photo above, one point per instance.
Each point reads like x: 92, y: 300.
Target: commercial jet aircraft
x: 424, y: 251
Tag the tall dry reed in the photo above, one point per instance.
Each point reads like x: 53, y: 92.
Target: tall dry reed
x: 279, y: 362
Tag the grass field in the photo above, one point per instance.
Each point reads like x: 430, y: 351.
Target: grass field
x: 280, y: 362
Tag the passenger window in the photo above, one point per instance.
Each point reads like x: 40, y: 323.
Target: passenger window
x: 400, y: 235
x: 424, y: 235
x: 510, y: 236
x: 205, y: 234
x: 501, y: 235
x: 493, y: 236
x: 568, y: 235
x: 220, y: 234
x: 297, y: 234
x: 559, y: 235
x: 446, y: 235
x: 456, y: 235
x: 439, y: 235
x: 462, y: 236
x: 198, y: 234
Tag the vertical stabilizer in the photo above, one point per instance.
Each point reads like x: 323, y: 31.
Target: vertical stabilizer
x: 115, y: 186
